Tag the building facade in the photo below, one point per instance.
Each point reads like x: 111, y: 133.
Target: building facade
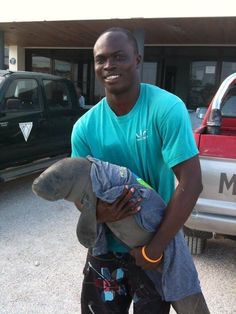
x: 189, y: 56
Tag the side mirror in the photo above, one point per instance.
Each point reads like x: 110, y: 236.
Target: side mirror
x: 214, y: 122
x: 200, y: 112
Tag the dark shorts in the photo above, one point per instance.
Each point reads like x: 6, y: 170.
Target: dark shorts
x: 112, y: 281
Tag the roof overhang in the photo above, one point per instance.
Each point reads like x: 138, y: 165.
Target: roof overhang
x: 218, y: 31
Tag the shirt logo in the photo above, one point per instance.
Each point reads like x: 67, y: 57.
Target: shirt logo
x: 26, y: 128
x: 141, y: 135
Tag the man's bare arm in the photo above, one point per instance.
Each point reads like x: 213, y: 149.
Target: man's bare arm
x: 188, y: 174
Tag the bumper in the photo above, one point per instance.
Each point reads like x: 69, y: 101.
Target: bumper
x: 212, y: 223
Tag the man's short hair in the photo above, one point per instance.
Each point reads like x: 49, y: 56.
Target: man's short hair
x: 125, y: 31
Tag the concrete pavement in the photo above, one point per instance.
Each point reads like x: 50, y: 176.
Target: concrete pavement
x: 41, y: 260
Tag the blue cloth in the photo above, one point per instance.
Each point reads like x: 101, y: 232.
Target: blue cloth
x: 178, y: 277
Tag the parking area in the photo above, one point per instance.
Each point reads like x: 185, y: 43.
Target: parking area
x: 41, y: 260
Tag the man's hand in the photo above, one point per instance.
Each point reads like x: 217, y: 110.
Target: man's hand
x: 121, y: 208
x: 142, y: 262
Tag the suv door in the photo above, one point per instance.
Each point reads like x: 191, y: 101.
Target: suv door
x: 62, y: 113
x: 23, y: 125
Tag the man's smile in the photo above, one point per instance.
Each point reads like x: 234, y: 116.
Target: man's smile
x: 111, y: 77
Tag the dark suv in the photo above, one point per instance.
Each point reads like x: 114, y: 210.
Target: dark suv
x: 37, y: 112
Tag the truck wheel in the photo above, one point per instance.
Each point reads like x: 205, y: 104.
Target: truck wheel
x: 196, y: 245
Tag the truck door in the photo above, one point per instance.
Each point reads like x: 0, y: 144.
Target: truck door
x: 23, y: 125
x: 63, y: 111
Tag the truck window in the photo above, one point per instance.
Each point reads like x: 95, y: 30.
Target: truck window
x: 229, y: 104
x: 57, y: 95
x: 2, y: 78
x: 21, y: 95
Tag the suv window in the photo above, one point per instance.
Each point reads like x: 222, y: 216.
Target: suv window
x: 57, y: 95
x: 21, y: 95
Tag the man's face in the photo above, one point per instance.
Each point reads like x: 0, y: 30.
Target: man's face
x: 116, y: 62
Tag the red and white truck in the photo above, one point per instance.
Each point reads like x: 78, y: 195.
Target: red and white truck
x: 215, y: 211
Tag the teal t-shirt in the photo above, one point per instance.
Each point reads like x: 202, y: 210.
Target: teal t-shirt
x: 152, y: 138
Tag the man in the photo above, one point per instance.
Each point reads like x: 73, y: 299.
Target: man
x: 146, y: 129
x: 81, y: 99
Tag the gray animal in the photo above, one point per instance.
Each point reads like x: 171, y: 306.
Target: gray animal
x: 86, y: 179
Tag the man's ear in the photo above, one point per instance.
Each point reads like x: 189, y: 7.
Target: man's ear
x: 138, y: 60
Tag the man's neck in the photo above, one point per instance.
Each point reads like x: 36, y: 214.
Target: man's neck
x: 123, y: 103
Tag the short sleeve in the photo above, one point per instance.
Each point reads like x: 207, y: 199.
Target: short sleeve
x: 178, y: 143
x: 79, y: 147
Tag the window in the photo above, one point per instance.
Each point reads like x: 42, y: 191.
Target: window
x: 229, y: 104
x: 99, y: 91
x: 41, y: 64
x: 6, y: 58
x: 22, y: 95
x: 2, y: 78
x: 227, y: 69
x: 202, y: 83
x: 57, y: 95
x: 63, y: 69
x: 149, y: 72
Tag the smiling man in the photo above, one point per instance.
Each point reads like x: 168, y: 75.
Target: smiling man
x: 146, y: 129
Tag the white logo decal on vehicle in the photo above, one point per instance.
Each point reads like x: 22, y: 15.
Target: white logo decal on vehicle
x: 141, y: 135
x: 227, y: 183
x: 26, y: 128
x: 3, y: 124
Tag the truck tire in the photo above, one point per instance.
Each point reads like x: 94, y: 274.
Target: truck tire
x: 196, y: 240
x: 196, y: 245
